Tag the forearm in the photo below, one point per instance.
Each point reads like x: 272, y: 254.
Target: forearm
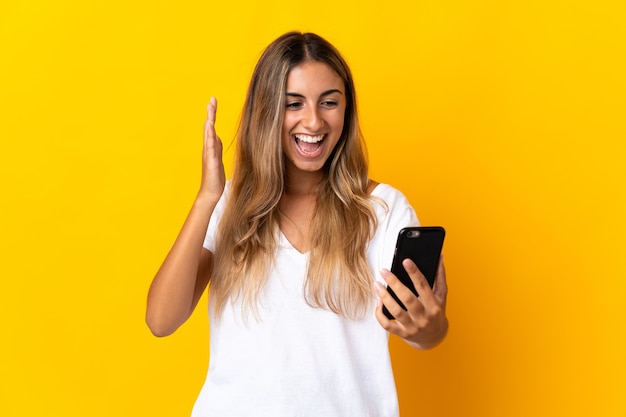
x: 181, y: 280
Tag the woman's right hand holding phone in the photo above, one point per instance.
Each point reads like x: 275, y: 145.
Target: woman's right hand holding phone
x: 423, y: 324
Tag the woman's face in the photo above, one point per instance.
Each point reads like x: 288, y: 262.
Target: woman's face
x: 314, y: 115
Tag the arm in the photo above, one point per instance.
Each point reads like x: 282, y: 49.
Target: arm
x: 424, y: 324
x: 185, y: 272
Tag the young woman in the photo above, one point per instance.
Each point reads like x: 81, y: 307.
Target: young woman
x: 292, y: 248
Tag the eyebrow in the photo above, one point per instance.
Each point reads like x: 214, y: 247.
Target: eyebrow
x: 325, y: 93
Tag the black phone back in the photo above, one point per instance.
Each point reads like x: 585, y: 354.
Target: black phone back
x: 423, y: 246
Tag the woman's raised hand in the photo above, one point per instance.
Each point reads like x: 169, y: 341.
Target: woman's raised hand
x: 213, y: 176
x: 185, y: 272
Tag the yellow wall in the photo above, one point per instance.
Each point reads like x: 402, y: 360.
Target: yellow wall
x: 501, y: 120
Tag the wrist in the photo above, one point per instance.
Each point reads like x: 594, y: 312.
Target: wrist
x: 432, y: 341
x: 207, y: 199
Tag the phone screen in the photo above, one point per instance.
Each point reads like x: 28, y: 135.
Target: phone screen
x: 423, y: 246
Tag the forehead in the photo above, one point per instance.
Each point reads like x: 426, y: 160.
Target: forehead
x: 313, y: 77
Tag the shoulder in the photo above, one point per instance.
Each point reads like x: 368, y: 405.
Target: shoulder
x: 394, y: 212
x: 388, y: 193
x: 391, y: 204
x: 371, y: 185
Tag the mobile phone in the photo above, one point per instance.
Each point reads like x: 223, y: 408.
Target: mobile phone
x: 423, y: 246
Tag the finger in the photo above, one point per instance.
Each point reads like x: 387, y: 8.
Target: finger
x: 389, y: 302
x: 389, y: 325
x: 212, y: 142
x: 209, y: 124
x: 440, y: 289
x: 422, y: 287
x: 404, y: 294
x: 212, y: 110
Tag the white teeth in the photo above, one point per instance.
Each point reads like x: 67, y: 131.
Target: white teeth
x: 309, y: 139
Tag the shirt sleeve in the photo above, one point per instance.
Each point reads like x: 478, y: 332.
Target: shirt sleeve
x: 394, y: 214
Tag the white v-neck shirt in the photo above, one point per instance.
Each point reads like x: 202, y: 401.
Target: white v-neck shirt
x: 298, y: 360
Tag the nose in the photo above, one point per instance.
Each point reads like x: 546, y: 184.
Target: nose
x: 312, y: 119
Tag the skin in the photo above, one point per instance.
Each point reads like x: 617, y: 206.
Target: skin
x: 315, y: 106
x: 424, y: 324
x: 185, y: 272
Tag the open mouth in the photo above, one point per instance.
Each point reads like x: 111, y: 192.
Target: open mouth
x: 307, y: 144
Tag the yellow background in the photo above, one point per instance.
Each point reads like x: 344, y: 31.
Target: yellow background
x: 501, y: 120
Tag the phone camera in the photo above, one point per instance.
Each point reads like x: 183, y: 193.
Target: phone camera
x: 413, y: 233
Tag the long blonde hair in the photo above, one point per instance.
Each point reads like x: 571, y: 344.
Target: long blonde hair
x: 338, y: 278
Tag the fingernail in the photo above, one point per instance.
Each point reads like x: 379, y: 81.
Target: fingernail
x: 385, y: 273
x: 408, y: 264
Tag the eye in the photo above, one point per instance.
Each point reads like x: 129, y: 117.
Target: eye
x: 294, y: 105
x: 329, y: 103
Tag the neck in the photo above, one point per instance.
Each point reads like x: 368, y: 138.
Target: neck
x: 302, y: 182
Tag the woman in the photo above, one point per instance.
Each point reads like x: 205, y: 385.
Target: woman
x: 291, y: 247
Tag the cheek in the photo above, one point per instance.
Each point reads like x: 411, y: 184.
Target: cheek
x: 287, y: 123
x: 285, y: 128
x: 285, y: 137
x: 338, y: 121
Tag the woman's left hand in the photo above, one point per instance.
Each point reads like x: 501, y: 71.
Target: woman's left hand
x: 424, y: 323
